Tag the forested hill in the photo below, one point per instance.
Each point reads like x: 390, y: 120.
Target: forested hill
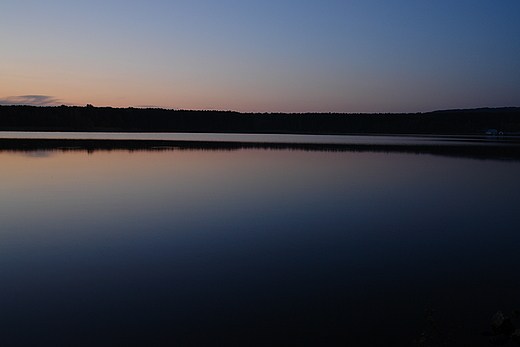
x: 89, y: 118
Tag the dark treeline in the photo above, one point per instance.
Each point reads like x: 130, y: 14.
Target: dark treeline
x: 499, y: 151
x: 89, y: 118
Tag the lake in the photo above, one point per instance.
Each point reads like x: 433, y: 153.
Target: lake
x: 124, y: 243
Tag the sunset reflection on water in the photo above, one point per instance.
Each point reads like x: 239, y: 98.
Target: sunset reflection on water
x: 250, y: 245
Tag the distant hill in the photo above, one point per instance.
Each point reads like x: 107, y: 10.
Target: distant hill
x: 89, y: 118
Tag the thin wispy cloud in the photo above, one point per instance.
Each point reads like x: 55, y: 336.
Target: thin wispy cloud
x: 35, y: 100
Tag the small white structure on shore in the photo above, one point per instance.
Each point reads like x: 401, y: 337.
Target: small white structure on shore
x: 492, y: 132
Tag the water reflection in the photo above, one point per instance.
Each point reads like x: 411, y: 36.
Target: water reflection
x: 37, y: 153
x: 252, y: 246
x: 495, y: 151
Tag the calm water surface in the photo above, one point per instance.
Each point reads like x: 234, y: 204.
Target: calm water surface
x: 272, y: 138
x: 252, y: 246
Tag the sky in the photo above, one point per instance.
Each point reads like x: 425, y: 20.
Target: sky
x: 262, y: 56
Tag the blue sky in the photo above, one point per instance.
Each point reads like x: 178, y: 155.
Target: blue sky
x: 262, y: 56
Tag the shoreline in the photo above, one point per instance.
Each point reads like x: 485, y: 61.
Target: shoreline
x: 493, y: 151
x: 107, y: 119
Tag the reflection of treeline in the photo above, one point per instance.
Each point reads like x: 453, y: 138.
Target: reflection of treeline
x: 74, y: 118
x: 498, y: 151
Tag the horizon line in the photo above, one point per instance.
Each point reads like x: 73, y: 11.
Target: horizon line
x: 233, y: 111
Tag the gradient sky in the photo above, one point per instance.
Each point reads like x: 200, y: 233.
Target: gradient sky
x: 262, y: 56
